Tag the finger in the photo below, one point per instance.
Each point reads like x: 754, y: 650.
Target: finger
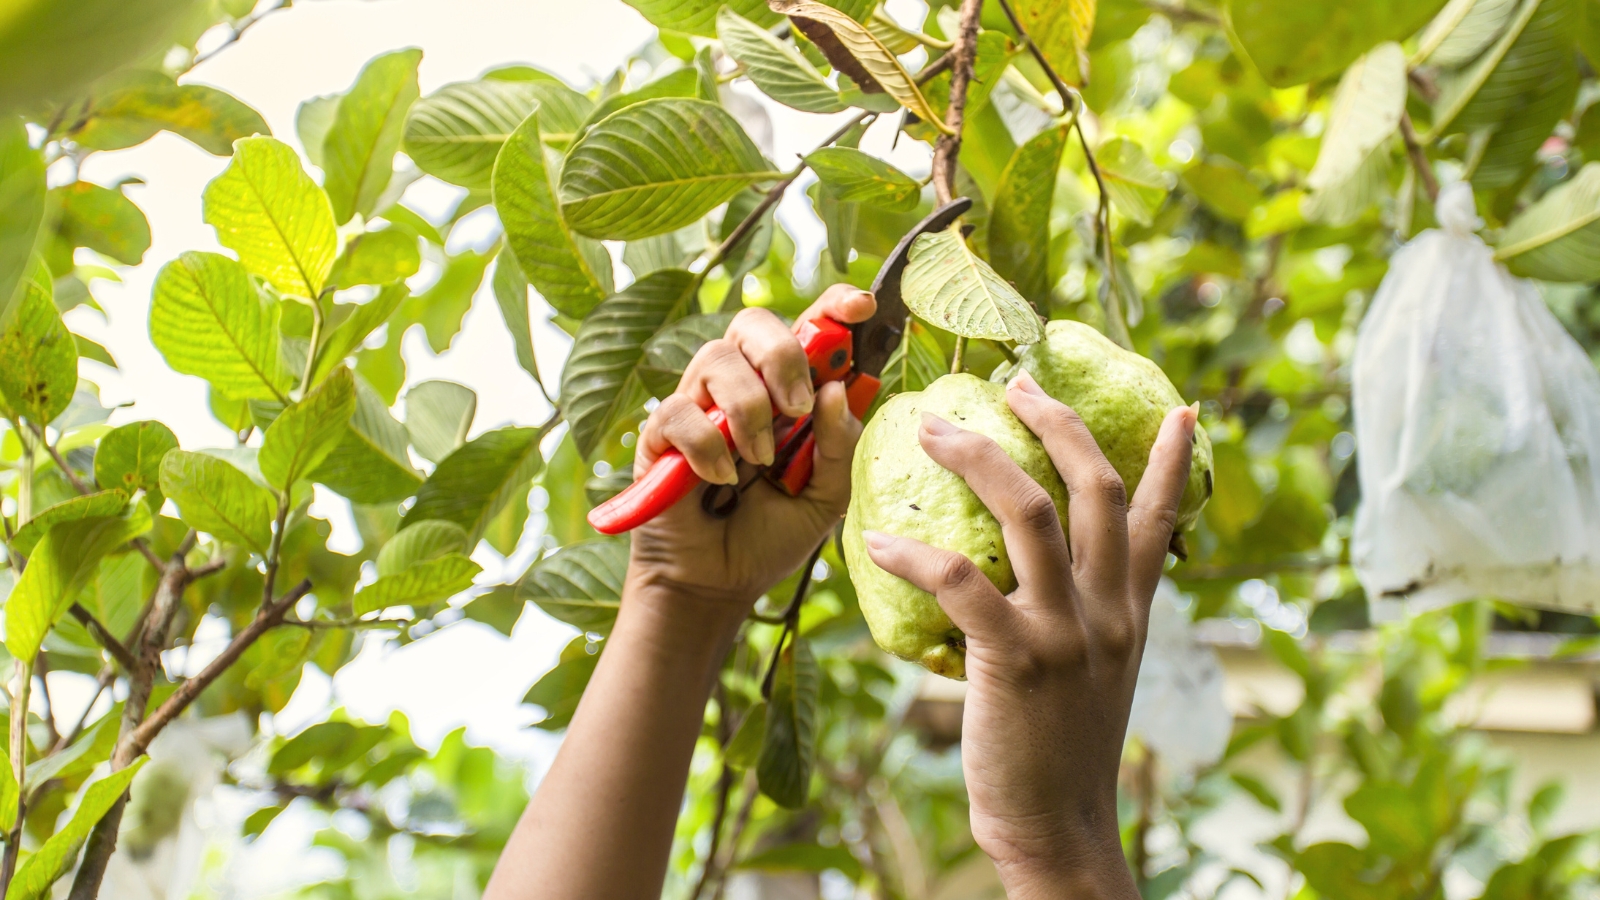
x: 1098, y: 498
x: 770, y: 347
x: 969, y: 598
x: 1028, y: 517
x: 842, y: 303
x: 719, y: 375
x: 836, y: 432
x: 1155, y: 504
x: 679, y: 423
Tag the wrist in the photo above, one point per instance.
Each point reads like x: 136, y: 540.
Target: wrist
x: 676, y: 620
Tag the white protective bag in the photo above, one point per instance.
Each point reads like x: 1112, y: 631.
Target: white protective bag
x: 1477, y: 434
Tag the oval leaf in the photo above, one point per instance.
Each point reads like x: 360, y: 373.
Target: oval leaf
x: 948, y: 286
x: 421, y: 543
x: 207, y: 294
x: 472, y: 485
x: 129, y: 457
x: 306, y: 432
x: 38, y: 357
x: 423, y: 584
x: 456, y: 132
x: 1019, y: 223
x: 268, y: 210
x: 655, y: 167
x: 358, y: 149
x: 777, y: 68
x: 789, y: 747
x: 856, y: 177
x: 216, y: 498
x: 144, y: 103
x: 580, y: 585
x: 103, y: 220
x: 1558, y: 238
x: 438, y: 416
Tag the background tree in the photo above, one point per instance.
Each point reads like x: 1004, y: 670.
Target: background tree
x: 1215, y: 185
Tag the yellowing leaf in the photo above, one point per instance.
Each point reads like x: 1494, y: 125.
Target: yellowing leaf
x: 268, y: 210
x: 1061, y: 30
x: 948, y: 286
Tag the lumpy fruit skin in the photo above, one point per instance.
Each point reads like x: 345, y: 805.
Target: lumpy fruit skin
x: 897, y: 489
x: 1123, y: 399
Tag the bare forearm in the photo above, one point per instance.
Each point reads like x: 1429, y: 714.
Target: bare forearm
x: 601, y: 823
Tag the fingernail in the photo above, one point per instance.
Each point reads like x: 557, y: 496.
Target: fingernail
x: 1190, y: 421
x: 936, y: 426
x: 877, y: 540
x: 1025, y: 383
x: 801, y: 398
x: 863, y: 294
x: 764, y: 451
x: 727, y: 472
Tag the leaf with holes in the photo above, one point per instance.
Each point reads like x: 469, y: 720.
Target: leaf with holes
x: 856, y: 177
x: 571, y: 272
x: 423, y: 584
x: 268, y: 210
x: 668, y: 353
x: 472, y: 485
x: 456, y: 132
x: 655, y: 167
x: 1019, y: 223
x: 39, y: 372
x: 1558, y: 238
x: 208, y: 294
x: 948, y: 286
x: 358, y: 149
x: 370, y: 463
x: 601, y: 382
x: 129, y: 458
x: 789, y: 747
x: 62, y: 562
x: 580, y: 585
x: 303, y: 435
x: 1137, y: 186
x: 778, y: 69
x: 438, y: 416
x: 853, y: 49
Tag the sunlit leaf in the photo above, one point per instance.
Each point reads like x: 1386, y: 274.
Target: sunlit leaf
x: 204, y: 293
x: 306, y: 432
x: 1061, y: 30
x: 370, y: 463
x: 948, y: 286
x: 129, y: 458
x: 55, y: 856
x: 656, y: 166
x: 268, y: 210
x: 473, y: 484
x: 346, y: 338
x: 423, y: 584
x: 580, y: 585
x: 88, y: 506
x: 39, y: 372
x: 358, y: 150
x: 856, y: 177
x: 700, y: 16
x: 789, y: 749
x: 852, y: 49
x: 420, y: 543
x: 60, y: 565
x: 1019, y: 221
x: 144, y: 103
x: 511, y: 295
x: 1558, y: 238
x: 456, y: 132
x: 216, y: 498
x: 312, y: 121
x: 376, y: 257
x: 1292, y: 43
x: 601, y: 381
x: 774, y: 66
x: 438, y: 416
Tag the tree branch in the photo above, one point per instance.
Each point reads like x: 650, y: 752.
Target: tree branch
x: 964, y: 53
x: 77, y: 483
x: 104, y: 637
x: 1419, y: 159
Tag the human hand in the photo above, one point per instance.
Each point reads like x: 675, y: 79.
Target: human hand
x: 756, y: 365
x: 1052, y: 667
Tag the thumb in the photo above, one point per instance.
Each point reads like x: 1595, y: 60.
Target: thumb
x: 836, y: 432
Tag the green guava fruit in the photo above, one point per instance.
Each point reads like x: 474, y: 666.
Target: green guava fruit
x: 1122, y: 397
x: 897, y: 489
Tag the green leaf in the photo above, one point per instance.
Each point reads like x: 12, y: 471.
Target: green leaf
x: 420, y: 543
x: 1464, y: 29
x: 117, y: 592
x: 40, y: 370
x: 60, y: 565
x: 472, y: 485
x: 207, y: 294
x: 560, y: 689
x: 700, y: 16
x: 268, y: 210
x: 55, y: 856
x: 216, y: 498
x: 1512, y: 145
x: 498, y: 608
x: 90, y: 350
x: 1019, y: 223
x: 744, y: 749
x: 1292, y: 43
x: 100, y: 504
x: 358, y: 150
x: 856, y: 177
x: 852, y: 49
x: 803, y: 858
x: 668, y: 353
x: 564, y: 480
x: 279, y: 652
x: 777, y: 68
x: 49, y: 52
x: 1258, y: 790
x: 1137, y: 186
x: 423, y: 584
x: 455, y: 133
x: 948, y: 286
x: 376, y: 257
x: 601, y: 382
x: 1061, y: 30
x: 571, y: 272
x: 144, y: 103
x: 370, y: 463
x: 839, y: 220
x: 81, y: 756
x: 103, y: 220
x: 306, y: 432
x: 438, y: 416
x: 1535, y: 47
x: 655, y: 167
x: 1225, y: 187
x: 129, y: 458
x: 751, y: 250
x: 1365, y: 115
x: 22, y: 203
x: 684, y: 82
x: 312, y: 121
x: 1558, y: 238
x: 442, y: 306
x: 346, y: 337
x: 580, y: 585
x: 789, y: 748
x: 511, y: 295
x: 916, y: 363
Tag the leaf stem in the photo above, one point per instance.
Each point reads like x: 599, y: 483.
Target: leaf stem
x: 311, y: 354
x: 273, y: 550
x: 958, y: 359
x: 1419, y: 159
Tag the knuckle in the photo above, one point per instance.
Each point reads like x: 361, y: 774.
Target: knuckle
x: 955, y: 570
x: 752, y: 317
x: 1108, y: 484
x: 1120, y: 638
x: 1036, y: 510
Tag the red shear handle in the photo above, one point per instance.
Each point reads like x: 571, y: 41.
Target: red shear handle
x: 670, y: 479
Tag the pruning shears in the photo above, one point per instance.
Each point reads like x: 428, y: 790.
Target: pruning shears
x: 854, y: 354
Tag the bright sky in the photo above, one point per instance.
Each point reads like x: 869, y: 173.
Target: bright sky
x: 467, y: 674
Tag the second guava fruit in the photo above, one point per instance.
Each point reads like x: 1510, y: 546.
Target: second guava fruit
x: 897, y: 489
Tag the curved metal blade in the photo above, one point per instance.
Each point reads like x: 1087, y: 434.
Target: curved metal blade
x: 876, y: 338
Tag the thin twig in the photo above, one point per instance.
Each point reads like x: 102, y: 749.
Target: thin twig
x: 238, y: 32
x: 104, y: 637
x: 1069, y: 98
x: 102, y: 681
x: 269, y: 582
x: 740, y: 822
x: 47, y: 706
x: 1419, y: 159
